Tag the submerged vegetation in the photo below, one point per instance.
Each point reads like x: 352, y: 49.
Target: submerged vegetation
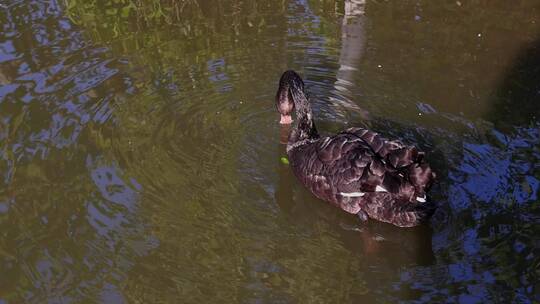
x: 188, y: 18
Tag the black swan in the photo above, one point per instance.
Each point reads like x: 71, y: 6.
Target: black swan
x: 356, y: 170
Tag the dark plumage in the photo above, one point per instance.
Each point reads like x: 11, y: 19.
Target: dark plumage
x: 357, y: 169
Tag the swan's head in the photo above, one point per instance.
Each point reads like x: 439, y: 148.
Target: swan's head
x: 284, y: 104
x: 284, y: 99
x: 292, y: 96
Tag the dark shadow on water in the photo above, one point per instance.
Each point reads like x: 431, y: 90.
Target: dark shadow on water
x: 516, y: 101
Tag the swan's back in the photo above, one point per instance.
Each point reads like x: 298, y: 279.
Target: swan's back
x: 358, y: 170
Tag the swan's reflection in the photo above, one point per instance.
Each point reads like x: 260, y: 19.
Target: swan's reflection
x: 353, y: 42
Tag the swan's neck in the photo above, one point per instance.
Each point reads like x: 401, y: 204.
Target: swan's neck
x: 304, y: 128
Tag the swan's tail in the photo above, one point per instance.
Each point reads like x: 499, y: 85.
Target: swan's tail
x: 415, y: 174
x: 409, y: 161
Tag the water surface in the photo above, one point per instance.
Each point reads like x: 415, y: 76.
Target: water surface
x: 140, y: 150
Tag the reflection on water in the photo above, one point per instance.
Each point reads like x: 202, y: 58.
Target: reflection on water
x: 140, y: 155
x: 353, y: 44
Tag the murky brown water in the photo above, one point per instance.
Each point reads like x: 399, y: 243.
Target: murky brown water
x: 140, y: 154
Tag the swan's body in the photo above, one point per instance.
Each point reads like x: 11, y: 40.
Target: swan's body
x: 356, y: 170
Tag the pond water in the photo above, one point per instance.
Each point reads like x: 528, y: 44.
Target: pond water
x: 140, y: 150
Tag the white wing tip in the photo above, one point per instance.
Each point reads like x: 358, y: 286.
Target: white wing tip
x: 352, y: 194
x: 421, y: 199
x: 380, y: 189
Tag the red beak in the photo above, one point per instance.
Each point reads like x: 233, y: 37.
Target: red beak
x: 285, y: 119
